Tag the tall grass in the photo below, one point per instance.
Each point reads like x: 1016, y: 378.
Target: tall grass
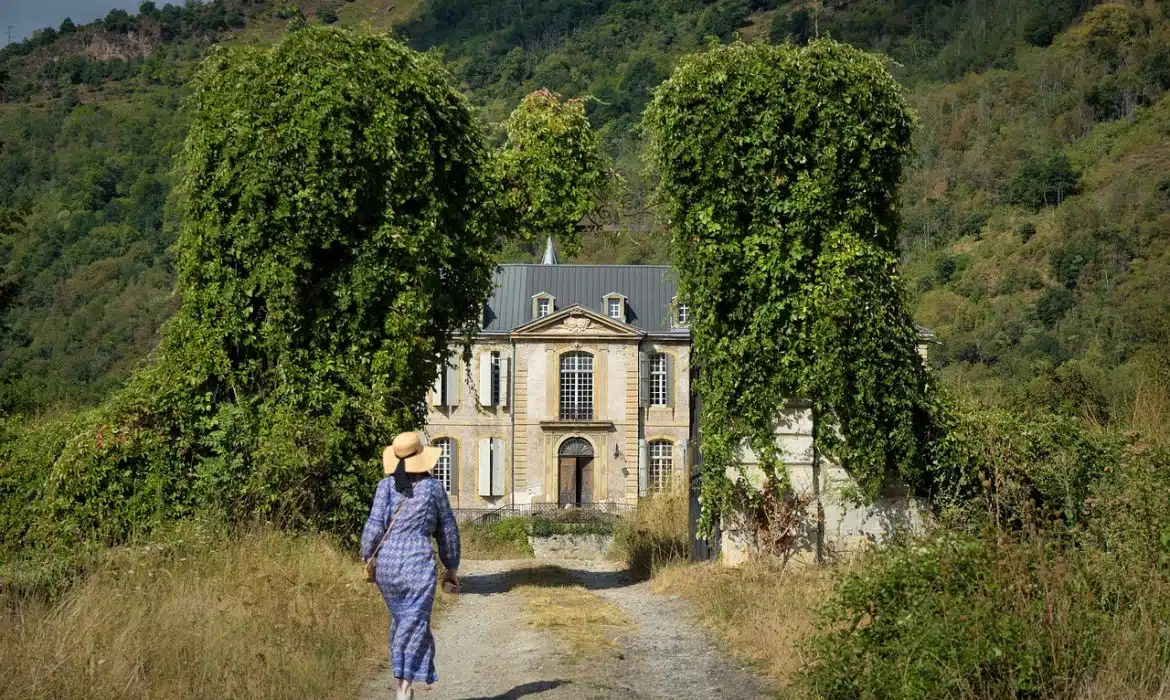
x: 262, y: 615
x: 657, y: 535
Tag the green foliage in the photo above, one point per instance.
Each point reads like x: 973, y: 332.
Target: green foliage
x: 506, y: 539
x: 1044, y: 182
x: 550, y: 169
x: 546, y: 526
x: 779, y: 169
x: 1055, y: 303
x: 335, y: 240
x: 1035, y: 609
x: 327, y: 15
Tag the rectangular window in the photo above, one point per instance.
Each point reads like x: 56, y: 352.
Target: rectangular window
x: 577, y: 386
x: 684, y: 314
x: 496, y: 379
x: 443, y: 466
x: 543, y: 307
x: 661, y: 466
x: 658, y: 379
x: 615, y: 308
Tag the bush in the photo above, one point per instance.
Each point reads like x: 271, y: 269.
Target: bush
x: 1055, y: 303
x: 506, y: 539
x: 543, y: 526
x: 327, y: 15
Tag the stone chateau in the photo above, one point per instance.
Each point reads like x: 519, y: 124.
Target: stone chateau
x: 577, y: 392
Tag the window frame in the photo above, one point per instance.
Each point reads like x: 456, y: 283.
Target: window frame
x: 496, y: 370
x: 575, y: 396
x: 683, y: 314
x: 660, y: 465
x: 659, y: 379
x: 448, y: 446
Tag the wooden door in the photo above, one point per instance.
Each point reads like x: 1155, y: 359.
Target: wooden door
x: 568, y: 481
x: 585, y: 464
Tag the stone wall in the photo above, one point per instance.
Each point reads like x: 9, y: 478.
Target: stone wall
x: 589, y: 547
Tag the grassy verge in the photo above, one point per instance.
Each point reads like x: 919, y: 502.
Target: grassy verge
x: 262, y: 615
x: 507, y: 539
x: 766, y: 614
x: 586, y: 623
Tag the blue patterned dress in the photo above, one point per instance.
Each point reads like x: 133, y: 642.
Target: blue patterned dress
x: 406, y: 570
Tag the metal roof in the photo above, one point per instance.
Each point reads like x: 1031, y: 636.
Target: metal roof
x: 649, y: 291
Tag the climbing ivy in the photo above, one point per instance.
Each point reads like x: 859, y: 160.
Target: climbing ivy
x: 778, y: 172
x: 337, y: 236
x: 551, y: 170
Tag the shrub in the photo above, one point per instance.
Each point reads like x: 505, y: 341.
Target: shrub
x: 543, y: 526
x: 1026, y: 231
x: 506, y: 539
x: 327, y: 15
x: 1055, y: 303
x: 1070, y: 259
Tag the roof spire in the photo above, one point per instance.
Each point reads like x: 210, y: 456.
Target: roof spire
x: 550, y: 254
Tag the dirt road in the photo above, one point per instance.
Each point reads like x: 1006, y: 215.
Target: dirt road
x: 487, y: 651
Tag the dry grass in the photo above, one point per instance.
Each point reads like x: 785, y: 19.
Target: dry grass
x: 767, y: 614
x: 585, y: 623
x: 264, y: 615
x: 657, y: 535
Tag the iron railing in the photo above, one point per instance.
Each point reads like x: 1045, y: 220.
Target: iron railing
x: 582, y: 513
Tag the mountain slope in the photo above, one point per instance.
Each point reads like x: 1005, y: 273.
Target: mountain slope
x: 1035, y: 208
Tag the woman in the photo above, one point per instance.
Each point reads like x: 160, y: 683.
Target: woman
x: 414, y: 506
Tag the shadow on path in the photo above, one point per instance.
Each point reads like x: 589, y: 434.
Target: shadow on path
x: 547, y: 576
x: 524, y: 689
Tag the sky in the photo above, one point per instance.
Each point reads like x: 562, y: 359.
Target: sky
x: 25, y: 16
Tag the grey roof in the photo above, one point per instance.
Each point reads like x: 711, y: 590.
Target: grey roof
x: 649, y: 291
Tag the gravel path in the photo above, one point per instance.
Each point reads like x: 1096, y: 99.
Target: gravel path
x: 486, y: 651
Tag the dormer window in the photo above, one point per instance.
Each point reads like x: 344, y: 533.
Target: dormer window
x: 543, y: 304
x: 615, y: 306
x: 682, y: 313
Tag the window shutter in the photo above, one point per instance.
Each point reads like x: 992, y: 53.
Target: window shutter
x: 437, y: 389
x: 643, y: 380
x: 485, y: 379
x: 452, y: 397
x: 669, y: 378
x: 505, y: 366
x: 485, y: 467
x: 643, y: 468
x: 497, y: 467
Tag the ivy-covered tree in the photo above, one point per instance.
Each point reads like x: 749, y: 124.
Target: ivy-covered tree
x: 551, y: 171
x: 337, y: 236
x: 779, y: 168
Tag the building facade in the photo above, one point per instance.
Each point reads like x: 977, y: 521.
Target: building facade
x: 577, y: 390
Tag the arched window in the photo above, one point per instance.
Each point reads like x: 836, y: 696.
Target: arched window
x: 576, y: 386
x: 661, y: 466
x: 446, y: 460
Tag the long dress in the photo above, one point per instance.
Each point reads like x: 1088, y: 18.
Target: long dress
x: 406, y: 569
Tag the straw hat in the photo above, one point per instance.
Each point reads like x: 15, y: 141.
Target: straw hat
x: 409, y: 447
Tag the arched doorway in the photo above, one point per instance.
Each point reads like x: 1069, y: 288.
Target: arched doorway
x: 575, y: 461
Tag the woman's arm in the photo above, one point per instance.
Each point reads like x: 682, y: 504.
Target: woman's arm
x: 447, y: 532
x: 376, y: 523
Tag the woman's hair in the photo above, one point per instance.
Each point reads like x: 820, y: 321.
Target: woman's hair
x: 404, y: 480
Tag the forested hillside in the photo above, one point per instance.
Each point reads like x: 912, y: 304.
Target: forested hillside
x: 1036, y: 208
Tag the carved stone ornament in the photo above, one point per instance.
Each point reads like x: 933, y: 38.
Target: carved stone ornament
x: 577, y: 324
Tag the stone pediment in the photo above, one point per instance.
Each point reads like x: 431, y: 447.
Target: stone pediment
x: 576, y: 322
